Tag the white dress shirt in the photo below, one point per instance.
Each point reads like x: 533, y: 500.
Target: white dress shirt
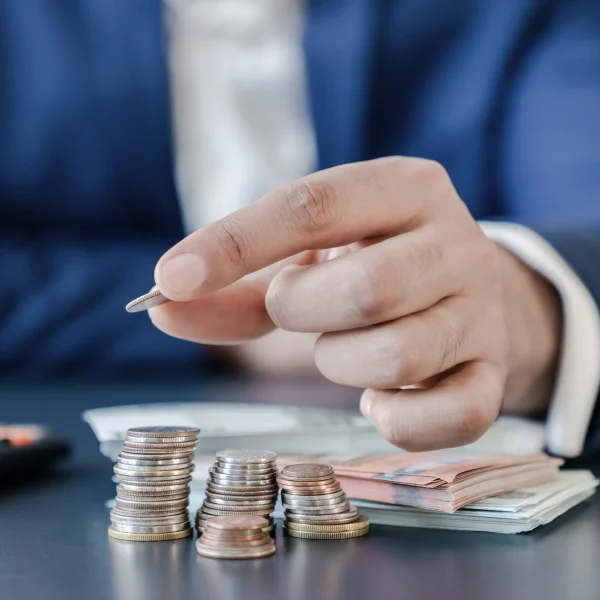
x: 242, y: 128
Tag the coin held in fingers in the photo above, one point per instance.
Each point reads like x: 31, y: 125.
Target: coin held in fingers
x: 150, y: 300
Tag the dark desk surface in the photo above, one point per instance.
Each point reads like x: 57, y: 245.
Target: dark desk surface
x: 53, y: 541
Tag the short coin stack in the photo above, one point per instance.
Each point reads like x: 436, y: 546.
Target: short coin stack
x: 316, y: 506
x: 154, y: 472
x: 235, y: 537
x: 241, y: 482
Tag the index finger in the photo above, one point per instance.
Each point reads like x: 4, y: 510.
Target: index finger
x: 329, y: 208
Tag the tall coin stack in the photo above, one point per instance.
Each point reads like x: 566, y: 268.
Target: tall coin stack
x: 241, y: 483
x: 154, y: 472
x: 315, y: 505
x: 235, y: 537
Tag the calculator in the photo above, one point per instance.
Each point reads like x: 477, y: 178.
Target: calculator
x: 27, y: 451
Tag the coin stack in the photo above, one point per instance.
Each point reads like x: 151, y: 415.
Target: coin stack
x: 240, y: 482
x: 154, y: 472
x: 315, y: 505
x: 235, y: 537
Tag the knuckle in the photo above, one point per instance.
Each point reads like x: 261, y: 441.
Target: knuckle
x: 431, y: 171
x: 275, y: 302
x: 453, y: 343
x: 403, y: 360
x: 369, y: 293
x: 313, y: 205
x: 233, y: 240
x: 426, y: 256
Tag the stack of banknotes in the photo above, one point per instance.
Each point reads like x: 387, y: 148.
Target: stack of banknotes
x: 514, y: 512
x: 453, y: 490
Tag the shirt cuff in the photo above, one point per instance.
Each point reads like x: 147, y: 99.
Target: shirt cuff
x: 578, y: 378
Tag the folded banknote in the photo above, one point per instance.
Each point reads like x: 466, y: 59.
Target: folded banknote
x: 443, y: 481
x: 514, y: 512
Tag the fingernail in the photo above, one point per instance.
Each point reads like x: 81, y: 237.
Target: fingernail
x: 366, y: 402
x: 182, y: 275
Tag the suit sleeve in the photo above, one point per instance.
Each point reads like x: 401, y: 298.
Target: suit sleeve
x: 62, y: 311
x: 549, y: 147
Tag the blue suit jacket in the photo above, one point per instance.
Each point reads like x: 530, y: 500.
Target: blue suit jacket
x: 506, y: 95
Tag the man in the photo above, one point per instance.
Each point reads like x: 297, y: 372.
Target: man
x: 441, y: 324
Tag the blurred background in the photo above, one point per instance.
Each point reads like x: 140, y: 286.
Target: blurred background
x: 126, y: 125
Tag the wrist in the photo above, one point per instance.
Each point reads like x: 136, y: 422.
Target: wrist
x: 533, y: 313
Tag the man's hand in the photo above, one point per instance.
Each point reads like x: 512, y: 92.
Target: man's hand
x: 384, y: 260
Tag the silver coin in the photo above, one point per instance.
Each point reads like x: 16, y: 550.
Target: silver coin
x: 246, y: 456
x: 314, y: 503
x: 239, y: 483
x: 150, y: 507
x: 318, y: 510
x: 233, y: 469
x: 156, y: 487
x: 150, y: 300
x: 271, y: 496
x: 211, y: 512
x: 295, y: 516
x: 150, y: 472
x: 163, y: 431
x: 187, y: 455
x: 152, y: 502
x: 295, y: 498
x: 149, y: 448
x: 117, y: 517
x: 151, y: 528
x: 234, y: 479
x: 161, y: 481
x: 159, y: 491
x: 161, y: 443
x: 156, y: 469
x: 152, y: 479
x: 169, y: 462
x: 159, y: 451
x: 154, y: 518
x: 142, y: 497
x: 147, y: 513
x: 238, y: 507
x: 247, y: 502
x: 156, y: 440
x: 238, y: 491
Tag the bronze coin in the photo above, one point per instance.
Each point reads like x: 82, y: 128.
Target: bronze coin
x: 235, y: 553
x: 233, y: 523
x: 285, y: 483
x: 307, y: 471
x: 262, y: 541
x: 238, y: 536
